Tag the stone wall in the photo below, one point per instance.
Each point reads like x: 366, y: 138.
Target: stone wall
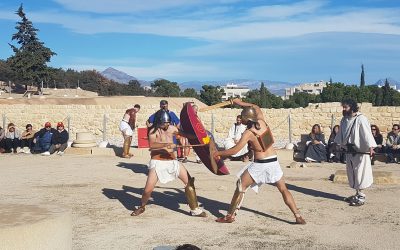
x: 90, y: 117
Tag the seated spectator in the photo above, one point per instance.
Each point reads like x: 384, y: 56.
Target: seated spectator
x: 316, y: 148
x: 333, y: 154
x: 27, y: 137
x: 43, y: 138
x: 393, y: 144
x: 379, y: 141
x: 59, y: 141
x: 2, y: 140
x: 234, y: 135
x: 12, y: 139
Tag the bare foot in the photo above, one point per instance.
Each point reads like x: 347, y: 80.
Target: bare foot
x: 300, y: 220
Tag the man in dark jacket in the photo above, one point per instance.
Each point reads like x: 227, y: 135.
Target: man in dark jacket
x: 43, y: 138
x: 59, y: 141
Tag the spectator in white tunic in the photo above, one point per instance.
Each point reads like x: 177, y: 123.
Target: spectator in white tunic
x: 235, y: 133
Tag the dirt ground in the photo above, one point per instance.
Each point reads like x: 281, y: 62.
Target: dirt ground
x: 102, y: 191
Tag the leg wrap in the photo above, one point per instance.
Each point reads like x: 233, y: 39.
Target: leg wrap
x: 190, y: 193
x: 129, y: 144
x: 237, y: 198
x: 126, y: 146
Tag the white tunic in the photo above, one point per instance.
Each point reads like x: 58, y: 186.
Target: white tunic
x: 125, y: 128
x: 263, y: 173
x: 235, y: 133
x: 359, y: 170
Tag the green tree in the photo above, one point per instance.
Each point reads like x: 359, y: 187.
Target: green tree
x: 135, y: 88
x: 30, y: 58
x: 165, y: 88
x: 211, y: 95
x: 387, y: 94
x: 6, y: 73
x: 333, y: 92
x: 190, y: 92
x: 362, y: 78
x: 301, y: 99
x: 264, y: 93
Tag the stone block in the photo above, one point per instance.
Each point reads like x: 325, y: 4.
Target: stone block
x: 79, y: 151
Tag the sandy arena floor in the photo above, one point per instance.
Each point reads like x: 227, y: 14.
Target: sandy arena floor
x: 102, y: 191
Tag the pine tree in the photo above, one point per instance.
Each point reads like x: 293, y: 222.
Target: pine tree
x: 387, y: 94
x: 330, y: 81
x: 30, y: 58
x: 362, y: 79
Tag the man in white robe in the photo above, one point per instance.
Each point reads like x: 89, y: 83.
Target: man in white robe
x: 356, y: 138
x: 235, y: 133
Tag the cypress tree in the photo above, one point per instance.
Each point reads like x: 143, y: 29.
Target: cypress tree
x: 362, y: 78
x: 30, y: 58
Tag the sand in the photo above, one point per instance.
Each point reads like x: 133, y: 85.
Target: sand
x: 102, y: 191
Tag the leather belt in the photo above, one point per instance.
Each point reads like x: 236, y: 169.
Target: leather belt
x: 266, y: 160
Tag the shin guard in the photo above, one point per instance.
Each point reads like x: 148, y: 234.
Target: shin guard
x: 190, y: 193
x: 237, y: 198
x: 127, y: 145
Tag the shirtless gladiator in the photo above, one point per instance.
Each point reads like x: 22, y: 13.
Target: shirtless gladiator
x: 264, y: 169
x: 127, y: 127
x: 164, y: 166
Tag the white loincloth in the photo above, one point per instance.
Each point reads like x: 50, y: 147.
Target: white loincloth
x: 359, y: 171
x: 230, y: 143
x: 166, y: 170
x: 125, y: 128
x: 263, y: 173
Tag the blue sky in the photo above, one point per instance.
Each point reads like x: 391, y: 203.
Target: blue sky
x: 184, y: 40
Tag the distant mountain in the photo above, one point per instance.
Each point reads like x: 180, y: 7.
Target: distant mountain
x: 116, y: 75
x: 276, y: 87
x: 391, y: 81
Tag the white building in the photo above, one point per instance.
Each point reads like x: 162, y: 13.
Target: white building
x: 314, y: 88
x: 234, y: 90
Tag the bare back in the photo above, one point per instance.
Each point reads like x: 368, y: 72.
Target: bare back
x: 259, y: 153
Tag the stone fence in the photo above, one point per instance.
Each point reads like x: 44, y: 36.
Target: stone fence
x: 93, y: 117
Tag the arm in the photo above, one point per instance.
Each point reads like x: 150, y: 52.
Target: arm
x: 159, y: 145
x: 64, y: 137
x: 241, y: 143
x: 239, y: 102
x: 174, y: 119
x: 389, y: 141
x: 184, y: 134
x: 150, y: 121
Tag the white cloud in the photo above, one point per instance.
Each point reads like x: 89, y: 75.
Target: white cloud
x: 230, y: 28
x: 133, y: 6
x: 284, y: 11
